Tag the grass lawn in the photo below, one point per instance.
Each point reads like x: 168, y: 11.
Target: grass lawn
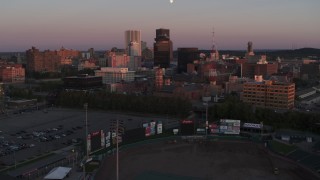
x: 281, y: 147
x: 90, y: 167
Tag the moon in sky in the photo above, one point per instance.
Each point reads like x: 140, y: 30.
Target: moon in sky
x: 171, y: 1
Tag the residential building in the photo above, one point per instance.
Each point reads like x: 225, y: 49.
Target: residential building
x: 48, y: 61
x: 12, y: 73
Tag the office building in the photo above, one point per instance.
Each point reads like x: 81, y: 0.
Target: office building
x: 115, y: 75
x: 133, y: 42
x: 163, y: 50
x: 186, y: 56
x: 268, y: 94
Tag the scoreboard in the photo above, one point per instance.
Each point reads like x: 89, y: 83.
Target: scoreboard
x: 229, y: 126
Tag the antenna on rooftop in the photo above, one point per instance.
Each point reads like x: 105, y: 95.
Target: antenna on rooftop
x: 214, y: 51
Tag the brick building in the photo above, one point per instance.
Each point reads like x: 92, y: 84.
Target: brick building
x: 48, y: 61
x: 250, y: 70
x: 12, y: 73
x: 269, y: 94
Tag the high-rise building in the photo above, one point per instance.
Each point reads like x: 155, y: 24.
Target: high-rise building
x: 186, y: 56
x: 133, y: 42
x: 143, y: 46
x: 250, y: 49
x: 133, y: 49
x: 269, y: 94
x: 163, y: 50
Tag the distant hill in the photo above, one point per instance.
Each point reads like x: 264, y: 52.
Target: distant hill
x: 297, y: 53
x: 273, y: 53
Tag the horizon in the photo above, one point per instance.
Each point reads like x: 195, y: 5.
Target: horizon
x: 101, y: 50
x: 77, y: 24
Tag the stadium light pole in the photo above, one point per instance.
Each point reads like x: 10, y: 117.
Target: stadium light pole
x: 206, y: 120
x: 87, y: 152
x: 117, y: 129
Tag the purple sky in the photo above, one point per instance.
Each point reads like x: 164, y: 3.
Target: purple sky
x: 81, y: 24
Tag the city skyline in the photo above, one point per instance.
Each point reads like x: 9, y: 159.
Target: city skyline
x: 100, y: 24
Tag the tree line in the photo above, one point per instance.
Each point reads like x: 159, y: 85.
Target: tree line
x: 233, y: 108
x: 175, y: 107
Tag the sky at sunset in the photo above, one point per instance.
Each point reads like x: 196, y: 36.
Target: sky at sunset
x: 81, y: 24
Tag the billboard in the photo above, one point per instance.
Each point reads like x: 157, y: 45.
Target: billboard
x: 251, y: 125
x: 201, y: 131
x: 159, y: 127
x: 148, y: 131
x: 95, y: 141
x: 214, y: 128
x: 152, y: 128
x: 187, y: 127
x: 108, y: 138
x: 229, y: 126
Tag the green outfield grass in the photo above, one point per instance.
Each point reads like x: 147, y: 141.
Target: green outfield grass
x: 281, y: 147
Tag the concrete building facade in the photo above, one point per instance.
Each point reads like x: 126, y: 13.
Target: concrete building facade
x: 114, y: 75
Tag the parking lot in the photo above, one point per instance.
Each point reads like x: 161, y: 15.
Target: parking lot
x: 30, y: 134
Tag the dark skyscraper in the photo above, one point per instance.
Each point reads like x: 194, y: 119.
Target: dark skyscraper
x: 163, y: 52
x: 185, y: 57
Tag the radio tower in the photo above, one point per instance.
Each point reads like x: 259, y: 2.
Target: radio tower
x: 214, y: 51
